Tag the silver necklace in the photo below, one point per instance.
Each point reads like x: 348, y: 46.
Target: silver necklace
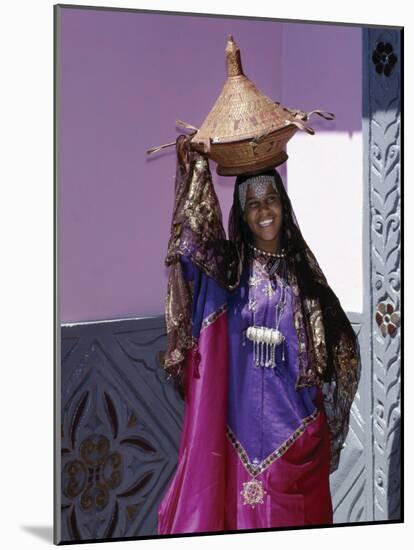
x: 265, y: 339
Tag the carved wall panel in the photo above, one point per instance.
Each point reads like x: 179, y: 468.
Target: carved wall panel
x: 121, y: 424
x: 350, y: 482
x: 366, y: 485
x: 382, y: 96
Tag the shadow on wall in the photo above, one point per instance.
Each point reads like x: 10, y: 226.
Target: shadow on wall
x: 394, y: 479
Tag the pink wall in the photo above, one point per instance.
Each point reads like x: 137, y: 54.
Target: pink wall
x: 125, y: 78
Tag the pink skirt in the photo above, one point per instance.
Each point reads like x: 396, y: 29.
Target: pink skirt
x: 293, y: 490
x: 207, y: 492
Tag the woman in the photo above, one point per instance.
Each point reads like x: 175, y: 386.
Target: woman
x: 267, y: 359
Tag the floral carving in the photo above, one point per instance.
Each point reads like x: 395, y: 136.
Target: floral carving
x: 387, y: 318
x: 106, y: 465
x: 96, y: 472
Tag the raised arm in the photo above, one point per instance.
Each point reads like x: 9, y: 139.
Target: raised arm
x: 198, y: 244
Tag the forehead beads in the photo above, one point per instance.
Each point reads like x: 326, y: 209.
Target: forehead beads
x: 259, y: 185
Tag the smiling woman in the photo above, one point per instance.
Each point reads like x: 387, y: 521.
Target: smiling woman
x: 266, y: 357
x: 258, y: 342
x: 263, y: 211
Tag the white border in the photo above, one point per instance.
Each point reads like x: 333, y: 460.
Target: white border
x: 26, y: 35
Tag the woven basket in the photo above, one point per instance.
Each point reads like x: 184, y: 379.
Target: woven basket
x: 246, y: 131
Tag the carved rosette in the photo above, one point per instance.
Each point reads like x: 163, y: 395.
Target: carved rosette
x: 384, y: 202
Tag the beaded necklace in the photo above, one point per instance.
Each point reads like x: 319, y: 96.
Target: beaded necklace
x: 267, y: 254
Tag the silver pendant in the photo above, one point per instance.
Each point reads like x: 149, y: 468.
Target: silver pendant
x: 264, y: 341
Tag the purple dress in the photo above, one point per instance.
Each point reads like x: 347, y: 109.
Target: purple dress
x: 255, y: 450
x: 264, y: 408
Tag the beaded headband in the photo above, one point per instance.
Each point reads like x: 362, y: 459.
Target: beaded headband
x: 259, y: 183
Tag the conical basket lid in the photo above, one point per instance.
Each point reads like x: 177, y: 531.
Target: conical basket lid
x: 246, y: 131
x: 241, y: 111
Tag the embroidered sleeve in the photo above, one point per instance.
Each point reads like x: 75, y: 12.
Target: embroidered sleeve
x: 197, y: 233
x: 197, y: 230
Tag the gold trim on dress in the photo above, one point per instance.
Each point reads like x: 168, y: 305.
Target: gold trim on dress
x: 210, y: 319
x: 257, y: 469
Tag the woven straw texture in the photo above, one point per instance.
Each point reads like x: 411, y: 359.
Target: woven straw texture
x: 245, y: 131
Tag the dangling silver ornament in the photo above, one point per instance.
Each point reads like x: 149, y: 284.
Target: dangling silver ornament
x: 264, y: 341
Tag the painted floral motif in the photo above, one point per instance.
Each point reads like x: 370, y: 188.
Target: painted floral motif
x: 384, y: 58
x: 387, y: 318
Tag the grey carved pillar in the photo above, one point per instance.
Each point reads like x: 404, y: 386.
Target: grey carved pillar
x: 382, y: 129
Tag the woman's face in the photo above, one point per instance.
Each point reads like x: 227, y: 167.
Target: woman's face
x: 264, y: 216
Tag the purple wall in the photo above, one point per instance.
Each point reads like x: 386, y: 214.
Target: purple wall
x: 322, y: 68
x: 125, y: 79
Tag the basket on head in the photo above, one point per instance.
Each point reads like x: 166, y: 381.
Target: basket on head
x: 246, y: 131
